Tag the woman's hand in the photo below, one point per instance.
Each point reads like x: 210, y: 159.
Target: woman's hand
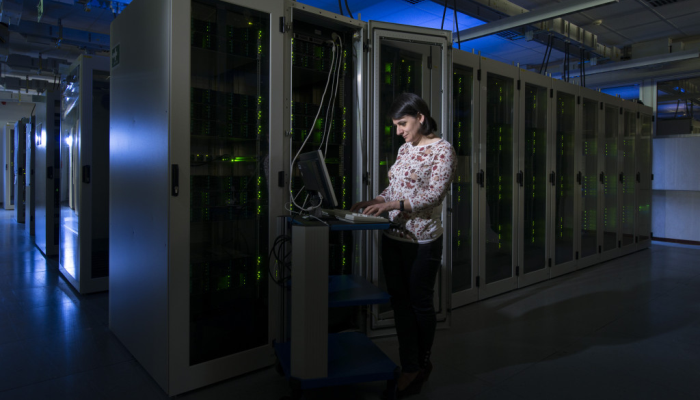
x: 364, y: 204
x: 380, y: 208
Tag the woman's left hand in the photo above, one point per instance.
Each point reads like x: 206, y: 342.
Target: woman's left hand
x: 380, y: 208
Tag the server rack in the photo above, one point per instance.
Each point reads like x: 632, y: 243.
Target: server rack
x: 590, y: 183
x: 644, y: 176
x: 328, y: 115
x: 30, y: 182
x: 464, y: 201
x: 46, y: 178
x: 20, y: 159
x: 609, y: 178
x: 9, y: 168
x: 197, y: 135
x: 497, y: 178
x: 534, y: 164
x: 629, y: 132
x: 405, y: 59
x: 563, y: 176
x: 84, y: 175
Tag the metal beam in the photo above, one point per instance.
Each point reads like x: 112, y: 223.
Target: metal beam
x: 531, y: 17
x: 635, y: 63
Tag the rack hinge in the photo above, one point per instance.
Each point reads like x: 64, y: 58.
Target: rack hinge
x: 601, y: 106
x: 621, y: 111
x: 638, y: 114
x: 551, y: 93
x: 577, y: 255
x: 478, y: 74
x: 477, y: 280
x: 578, y: 100
x: 550, y: 263
x: 600, y: 249
x: 517, y: 271
x: 518, y: 84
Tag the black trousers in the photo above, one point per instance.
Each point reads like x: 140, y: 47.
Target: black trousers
x: 410, y: 270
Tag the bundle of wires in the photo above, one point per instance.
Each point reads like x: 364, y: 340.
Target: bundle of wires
x: 333, y: 81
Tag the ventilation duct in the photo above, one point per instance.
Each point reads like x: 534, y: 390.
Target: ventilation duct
x: 11, y: 11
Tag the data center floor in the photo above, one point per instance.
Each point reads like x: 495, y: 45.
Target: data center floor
x: 625, y: 329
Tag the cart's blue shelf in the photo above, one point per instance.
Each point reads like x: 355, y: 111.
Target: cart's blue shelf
x: 353, y: 290
x: 352, y: 358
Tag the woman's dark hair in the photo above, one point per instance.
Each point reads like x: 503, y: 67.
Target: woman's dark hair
x: 412, y: 104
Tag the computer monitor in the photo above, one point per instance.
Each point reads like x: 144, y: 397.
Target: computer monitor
x: 316, y: 178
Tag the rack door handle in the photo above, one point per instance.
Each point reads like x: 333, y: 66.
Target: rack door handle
x: 520, y: 177
x: 639, y: 177
x: 578, y: 177
x: 175, y: 176
x: 553, y: 178
x: 480, y: 178
x: 622, y: 177
x: 602, y: 178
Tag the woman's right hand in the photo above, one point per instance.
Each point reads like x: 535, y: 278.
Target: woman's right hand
x: 363, y: 204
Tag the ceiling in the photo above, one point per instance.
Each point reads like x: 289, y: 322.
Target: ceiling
x: 36, y: 49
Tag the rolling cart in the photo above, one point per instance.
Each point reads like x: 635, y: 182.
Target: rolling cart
x: 312, y: 358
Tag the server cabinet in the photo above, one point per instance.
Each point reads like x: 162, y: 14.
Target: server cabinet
x: 644, y: 176
x: 46, y: 177
x: 534, y: 193
x: 84, y: 175
x: 629, y: 125
x: 195, y: 151
x: 30, y: 183
x: 417, y: 60
x: 9, y: 168
x: 609, y: 178
x: 497, y: 178
x: 464, y: 202
x: 563, y: 176
x: 589, y: 145
x: 20, y: 156
x: 325, y: 60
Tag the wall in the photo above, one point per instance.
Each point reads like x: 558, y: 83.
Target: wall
x: 676, y: 188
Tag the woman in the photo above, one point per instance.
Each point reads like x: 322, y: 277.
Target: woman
x: 412, y: 247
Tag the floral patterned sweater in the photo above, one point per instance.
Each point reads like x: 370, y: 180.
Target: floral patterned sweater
x: 421, y: 176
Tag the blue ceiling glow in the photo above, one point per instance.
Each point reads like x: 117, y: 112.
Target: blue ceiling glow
x: 424, y: 14
x: 625, y: 92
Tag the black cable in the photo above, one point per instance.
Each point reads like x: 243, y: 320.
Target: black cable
x: 549, y: 54
x: 348, y: 8
x: 546, y: 50
x: 340, y: 6
x: 442, y: 25
x: 459, y: 45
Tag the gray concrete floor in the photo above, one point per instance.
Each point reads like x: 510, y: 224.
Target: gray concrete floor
x: 625, y: 329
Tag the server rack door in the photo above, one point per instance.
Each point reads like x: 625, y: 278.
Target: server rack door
x: 610, y: 181
x: 535, y: 127
x: 9, y: 174
x: 197, y: 98
x: 19, y: 170
x: 563, y: 178
x: 627, y: 178
x: 497, y: 179
x: 46, y: 176
x: 30, y: 183
x: 83, y: 236
x: 644, y: 177
x: 464, y: 204
x: 416, y: 60
x: 324, y: 95
x: 587, y: 178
